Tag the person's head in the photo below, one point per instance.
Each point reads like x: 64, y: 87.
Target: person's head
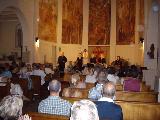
x: 85, y: 50
x: 118, y: 58
x: 23, y: 64
x: 11, y: 107
x: 84, y: 110
x: 101, y: 73
x: 62, y: 53
x: 111, y: 70
x: 75, y: 78
x: 109, y: 90
x: 16, y: 90
x: 54, y: 87
x: 29, y: 67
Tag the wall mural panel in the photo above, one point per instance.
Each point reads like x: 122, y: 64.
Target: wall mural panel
x: 47, y: 26
x: 72, y: 21
x: 126, y: 11
x: 99, y: 22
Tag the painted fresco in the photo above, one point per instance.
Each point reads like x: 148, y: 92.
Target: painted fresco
x: 47, y: 26
x: 126, y: 10
x: 72, y: 21
x: 99, y: 22
x: 141, y: 12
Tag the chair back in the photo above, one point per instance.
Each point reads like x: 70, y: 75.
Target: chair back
x: 36, y: 84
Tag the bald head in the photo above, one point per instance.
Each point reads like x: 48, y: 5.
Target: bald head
x: 54, y: 86
x: 109, y: 90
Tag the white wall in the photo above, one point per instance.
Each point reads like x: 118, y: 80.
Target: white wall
x: 7, y: 38
x: 25, y: 12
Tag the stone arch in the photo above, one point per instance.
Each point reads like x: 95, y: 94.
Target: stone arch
x: 22, y: 21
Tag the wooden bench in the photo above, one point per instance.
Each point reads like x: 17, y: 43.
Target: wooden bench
x: 43, y: 116
x: 120, y: 95
x: 135, y: 110
x: 140, y: 111
x: 151, y: 97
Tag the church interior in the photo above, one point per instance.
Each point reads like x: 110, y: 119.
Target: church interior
x: 110, y: 34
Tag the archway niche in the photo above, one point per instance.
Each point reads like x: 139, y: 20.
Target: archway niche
x: 11, y: 35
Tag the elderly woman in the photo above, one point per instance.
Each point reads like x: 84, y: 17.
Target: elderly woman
x: 11, y: 107
x: 76, y: 81
x: 84, y: 110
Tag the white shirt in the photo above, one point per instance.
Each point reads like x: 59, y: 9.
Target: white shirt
x: 48, y: 71
x: 39, y: 73
x: 90, y: 79
x: 106, y: 99
x: 112, y: 78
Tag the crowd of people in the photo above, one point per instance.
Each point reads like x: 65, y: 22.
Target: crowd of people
x: 103, y: 93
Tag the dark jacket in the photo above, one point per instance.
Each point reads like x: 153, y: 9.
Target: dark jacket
x: 109, y: 111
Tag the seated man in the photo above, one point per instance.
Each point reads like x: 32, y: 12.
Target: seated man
x: 84, y: 110
x: 107, y: 109
x: 54, y: 104
x: 37, y: 71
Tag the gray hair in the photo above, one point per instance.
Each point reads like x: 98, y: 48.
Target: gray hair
x: 11, y: 107
x: 75, y: 78
x: 109, y: 90
x: 54, y: 86
x: 16, y: 90
x: 84, y: 110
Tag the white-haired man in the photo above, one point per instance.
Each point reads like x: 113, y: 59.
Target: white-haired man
x: 107, y: 109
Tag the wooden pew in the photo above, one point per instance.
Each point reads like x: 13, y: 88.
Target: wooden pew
x: 119, y: 87
x: 4, y: 89
x: 43, y: 116
x: 140, y: 111
x: 137, y: 96
x: 135, y: 110
x: 151, y: 97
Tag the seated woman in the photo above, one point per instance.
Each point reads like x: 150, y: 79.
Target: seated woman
x: 11, y: 107
x: 112, y: 76
x: 91, y: 77
x: 76, y: 81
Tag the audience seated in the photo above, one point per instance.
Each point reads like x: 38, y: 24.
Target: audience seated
x: 48, y: 70
x: 84, y: 110
x: 107, y: 109
x: 5, y: 71
x: 54, y: 104
x: 37, y: 71
x: 23, y: 70
x: 91, y: 77
x: 16, y: 90
x: 111, y: 75
x: 11, y: 107
x: 76, y: 81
